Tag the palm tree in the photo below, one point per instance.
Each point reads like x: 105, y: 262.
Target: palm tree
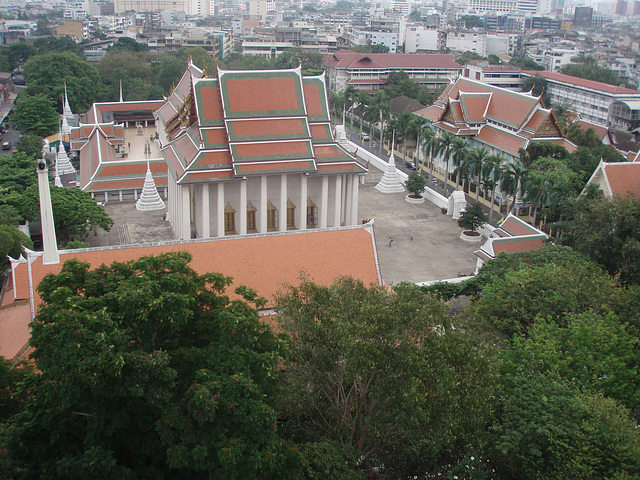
x: 350, y: 95
x: 404, y: 127
x: 477, y: 159
x: 513, y: 175
x: 429, y: 145
x: 493, y: 169
x: 459, y: 153
x: 537, y: 191
x: 445, y: 146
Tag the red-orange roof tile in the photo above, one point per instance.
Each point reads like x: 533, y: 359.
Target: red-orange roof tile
x: 624, y: 178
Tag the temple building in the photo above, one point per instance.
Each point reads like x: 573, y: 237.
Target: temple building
x: 115, y: 141
x: 253, y: 152
x: 501, y: 120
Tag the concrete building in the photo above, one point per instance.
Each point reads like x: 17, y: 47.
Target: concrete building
x: 483, y: 44
x: 422, y: 39
x: 370, y: 71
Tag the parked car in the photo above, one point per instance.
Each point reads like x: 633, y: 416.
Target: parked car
x: 365, y: 137
x: 6, y: 145
x: 410, y: 165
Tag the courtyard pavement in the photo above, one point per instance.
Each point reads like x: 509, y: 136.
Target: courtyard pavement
x: 436, y: 252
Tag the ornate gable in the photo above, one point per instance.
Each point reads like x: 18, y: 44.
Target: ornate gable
x: 548, y: 128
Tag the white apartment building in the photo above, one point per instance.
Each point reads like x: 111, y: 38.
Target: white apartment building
x: 388, y: 39
x: 483, y: 44
x: 420, y: 38
x: 76, y: 10
x: 556, y: 58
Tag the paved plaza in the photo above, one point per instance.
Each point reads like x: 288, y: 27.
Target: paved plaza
x: 435, y: 253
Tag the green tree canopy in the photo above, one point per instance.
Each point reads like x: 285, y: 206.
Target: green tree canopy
x: 61, y: 44
x: 472, y: 21
x: 550, y: 282
x: 595, y: 351
x: 12, y: 242
x: 76, y: 214
x: 34, y: 114
x: 47, y: 74
x: 199, y: 56
x: 416, y: 184
x: 148, y: 370
x: 383, y: 374
x: 127, y: 44
x: 133, y: 69
x: 587, y: 67
x: 473, y: 217
x: 399, y: 83
x: 607, y: 231
x: 525, y: 64
x: 546, y: 430
x: 31, y: 145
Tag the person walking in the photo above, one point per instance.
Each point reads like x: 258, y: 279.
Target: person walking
x: 390, y: 241
x: 411, y: 238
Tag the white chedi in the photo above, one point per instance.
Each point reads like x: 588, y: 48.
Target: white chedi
x: 150, y: 198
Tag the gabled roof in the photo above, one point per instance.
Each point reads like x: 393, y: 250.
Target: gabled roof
x: 354, y: 60
x: 513, y: 235
x: 617, y: 179
x: 250, y: 123
x: 584, y: 83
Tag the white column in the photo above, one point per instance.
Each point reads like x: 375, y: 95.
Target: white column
x: 283, y: 204
x: 337, y: 205
x: 49, y: 241
x: 185, y: 213
x: 206, y: 227
x: 243, y: 208
x: 324, y: 202
x: 302, y: 208
x: 220, y: 211
x: 347, y: 202
x: 354, y: 199
x: 262, y: 214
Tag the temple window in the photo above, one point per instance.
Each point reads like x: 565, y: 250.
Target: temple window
x: 251, y: 218
x: 229, y: 220
x: 291, y: 215
x: 272, y: 217
x: 312, y: 214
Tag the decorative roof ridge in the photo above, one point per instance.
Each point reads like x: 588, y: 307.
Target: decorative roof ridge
x: 297, y: 70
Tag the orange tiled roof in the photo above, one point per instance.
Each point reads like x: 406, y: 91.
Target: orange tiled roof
x: 474, y: 106
x: 503, y: 140
x: 623, y: 178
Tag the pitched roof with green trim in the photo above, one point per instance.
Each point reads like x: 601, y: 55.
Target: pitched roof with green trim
x: 250, y: 123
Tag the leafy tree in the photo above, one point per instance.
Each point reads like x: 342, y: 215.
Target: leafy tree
x: 594, y: 351
x: 525, y: 64
x: 538, y: 86
x: 513, y: 175
x: 473, y: 217
x: 199, y: 56
x: 12, y: 242
x: 399, y: 83
x: 552, y: 283
x: 76, y: 244
x: 494, y: 59
x: 76, y: 214
x: 294, y: 57
x: 472, y: 21
x: 467, y: 56
x: 17, y: 173
x: 547, y: 430
x: 543, y: 176
x: 416, y: 184
x: 48, y: 73
x: 382, y: 374
x: 148, y: 370
x: 34, y: 114
x: 19, y: 53
x: 30, y: 145
x: 51, y: 44
x: 583, y: 138
x: 587, y: 67
x: 415, y: 16
x: 127, y: 44
x: 132, y: 69
x: 379, y: 48
x: 4, y: 63
x: 607, y: 231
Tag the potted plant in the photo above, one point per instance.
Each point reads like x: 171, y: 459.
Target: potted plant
x: 472, y: 219
x: 416, y: 184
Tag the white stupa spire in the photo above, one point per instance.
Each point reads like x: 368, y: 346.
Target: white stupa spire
x: 150, y: 199
x: 390, y: 182
x: 63, y: 165
x: 121, y: 100
x: 66, y: 130
x: 67, y: 109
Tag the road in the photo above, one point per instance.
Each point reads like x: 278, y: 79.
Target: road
x: 12, y: 136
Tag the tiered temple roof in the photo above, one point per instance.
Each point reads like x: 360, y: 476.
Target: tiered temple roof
x: 246, y: 123
x: 494, y: 116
